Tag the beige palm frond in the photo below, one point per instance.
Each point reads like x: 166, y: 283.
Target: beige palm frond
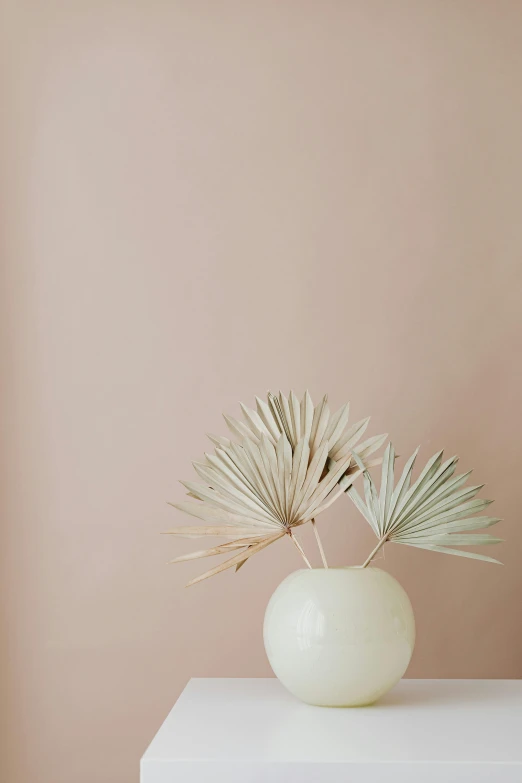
x: 437, y: 512
x: 291, y: 462
x: 257, y: 493
x: 299, y: 419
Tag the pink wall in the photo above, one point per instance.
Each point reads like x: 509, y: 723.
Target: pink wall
x: 203, y: 200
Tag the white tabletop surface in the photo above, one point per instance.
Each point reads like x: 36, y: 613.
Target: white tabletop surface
x: 424, y: 731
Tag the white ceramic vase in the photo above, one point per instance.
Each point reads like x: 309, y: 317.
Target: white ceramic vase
x: 339, y: 637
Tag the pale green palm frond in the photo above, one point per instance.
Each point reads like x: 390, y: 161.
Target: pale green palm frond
x: 436, y: 512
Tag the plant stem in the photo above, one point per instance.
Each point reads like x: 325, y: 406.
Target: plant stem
x: 319, y: 544
x: 374, y: 552
x: 299, y: 548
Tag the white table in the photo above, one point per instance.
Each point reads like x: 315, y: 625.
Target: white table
x: 248, y: 730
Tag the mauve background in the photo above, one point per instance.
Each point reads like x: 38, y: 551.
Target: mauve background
x: 202, y: 200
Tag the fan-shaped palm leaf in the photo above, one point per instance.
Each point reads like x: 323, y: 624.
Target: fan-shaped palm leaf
x: 437, y: 512
x: 257, y: 493
x: 292, y: 460
x: 299, y: 419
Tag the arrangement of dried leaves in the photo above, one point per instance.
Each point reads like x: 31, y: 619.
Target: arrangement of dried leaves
x: 289, y: 460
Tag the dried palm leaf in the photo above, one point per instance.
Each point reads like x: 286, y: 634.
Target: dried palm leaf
x: 289, y: 461
x: 298, y: 419
x: 436, y: 512
x: 257, y: 493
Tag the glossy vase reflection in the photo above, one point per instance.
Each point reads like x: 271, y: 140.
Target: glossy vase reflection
x: 339, y: 637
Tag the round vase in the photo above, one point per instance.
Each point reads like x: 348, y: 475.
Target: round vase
x: 339, y: 637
